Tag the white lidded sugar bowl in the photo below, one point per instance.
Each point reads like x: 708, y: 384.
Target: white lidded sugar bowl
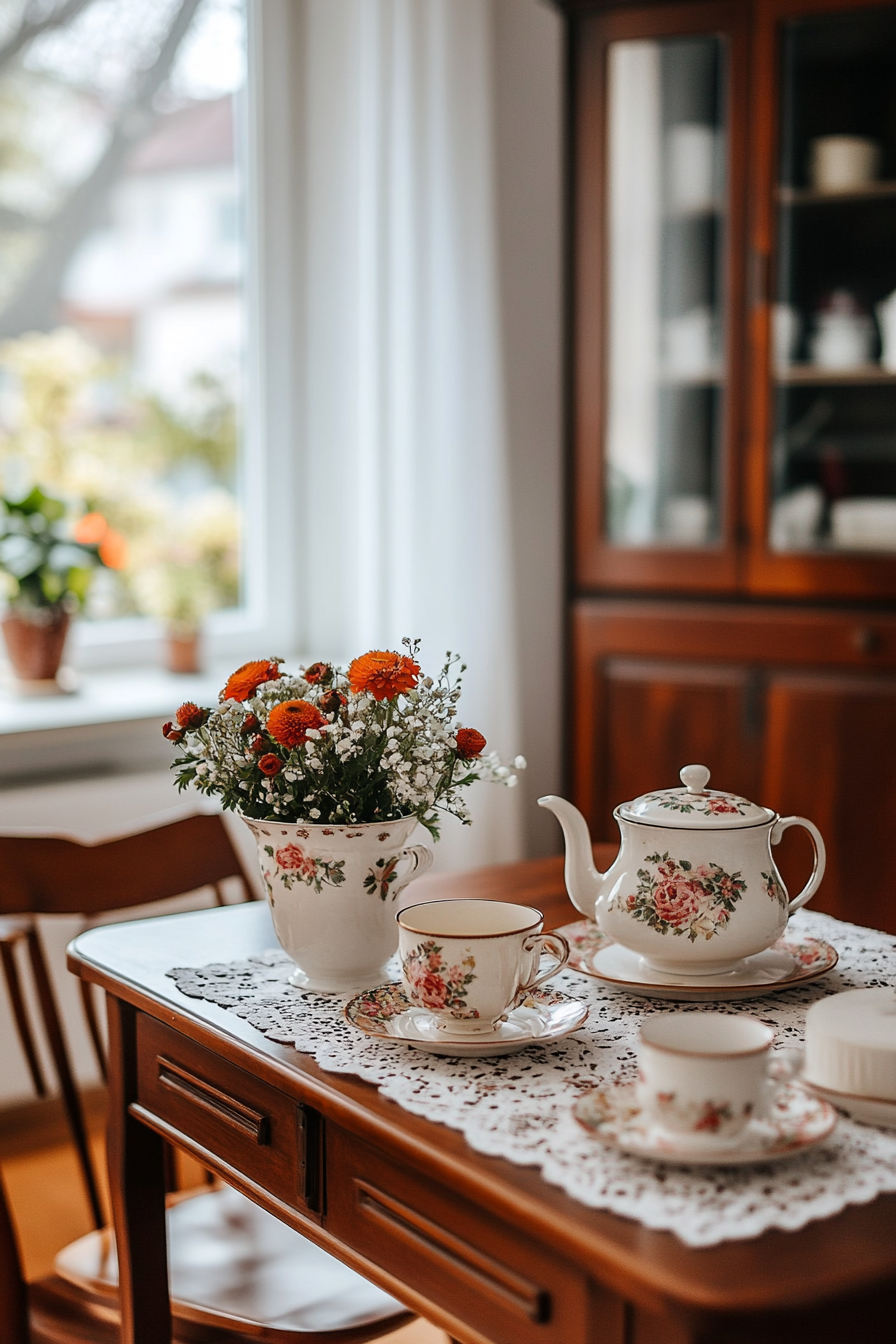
x: 694, y: 888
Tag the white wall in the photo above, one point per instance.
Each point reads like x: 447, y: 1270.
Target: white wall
x: 528, y: 53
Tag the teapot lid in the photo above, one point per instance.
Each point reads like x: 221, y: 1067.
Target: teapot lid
x: 695, y: 807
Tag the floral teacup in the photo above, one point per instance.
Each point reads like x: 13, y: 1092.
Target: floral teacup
x: 704, y: 1076
x: 468, y: 962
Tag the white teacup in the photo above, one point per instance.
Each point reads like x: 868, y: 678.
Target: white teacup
x: 469, y: 961
x: 704, y: 1076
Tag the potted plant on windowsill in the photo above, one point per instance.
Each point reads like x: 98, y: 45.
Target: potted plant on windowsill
x: 47, y: 560
x: 332, y: 771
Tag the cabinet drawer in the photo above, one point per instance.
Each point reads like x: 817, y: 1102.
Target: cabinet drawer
x: 458, y: 1256
x: 223, y: 1112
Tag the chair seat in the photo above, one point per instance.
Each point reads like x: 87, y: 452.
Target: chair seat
x: 235, y: 1266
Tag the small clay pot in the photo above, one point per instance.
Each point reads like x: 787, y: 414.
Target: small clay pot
x: 183, y: 652
x: 35, y: 647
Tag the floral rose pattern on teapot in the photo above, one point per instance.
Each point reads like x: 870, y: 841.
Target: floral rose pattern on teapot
x: 708, y: 805
x: 773, y: 889
x: 433, y: 984
x: 681, y: 899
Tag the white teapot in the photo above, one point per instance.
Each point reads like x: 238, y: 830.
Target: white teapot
x: 694, y: 888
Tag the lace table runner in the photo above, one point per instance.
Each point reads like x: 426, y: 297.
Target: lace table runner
x: 520, y: 1107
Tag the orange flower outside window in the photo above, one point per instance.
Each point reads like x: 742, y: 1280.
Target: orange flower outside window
x: 245, y: 681
x: 288, y: 723
x: 90, y: 529
x: 385, y: 675
x: 113, y: 549
x: 470, y: 743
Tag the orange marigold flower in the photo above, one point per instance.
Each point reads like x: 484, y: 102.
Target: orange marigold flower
x: 90, y: 529
x: 245, y: 681
x: 191, y: 716
x: 470, y: 743
x: 270, y: 764
x: 318, y: 672
x: 113, y: 550
x: 385, y: 675
x: 288, y: 723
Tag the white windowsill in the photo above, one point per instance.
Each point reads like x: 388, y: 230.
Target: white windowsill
x: 110, y: 724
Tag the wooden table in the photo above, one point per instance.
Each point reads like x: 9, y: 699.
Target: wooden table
x: 483, y: 1248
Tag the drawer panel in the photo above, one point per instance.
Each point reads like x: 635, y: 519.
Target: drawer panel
x: 458, y: 1256
x: 227, y: 1113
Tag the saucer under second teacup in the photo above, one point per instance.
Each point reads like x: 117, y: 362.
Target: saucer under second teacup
x: 544, y: 1015
x: 796, y: 1123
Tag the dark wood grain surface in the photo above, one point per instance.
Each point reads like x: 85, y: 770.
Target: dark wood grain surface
x: 473, y: 1242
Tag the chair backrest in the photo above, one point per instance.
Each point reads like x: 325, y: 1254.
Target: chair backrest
x: 13, y: 1294
x: 54, y: 875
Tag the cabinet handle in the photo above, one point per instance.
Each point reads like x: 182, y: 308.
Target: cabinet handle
x: 865, y: 639
x: 465, y: 1260
x: 245, y: 1119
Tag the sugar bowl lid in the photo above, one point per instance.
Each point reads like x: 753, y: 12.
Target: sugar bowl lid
x: 695, y: 807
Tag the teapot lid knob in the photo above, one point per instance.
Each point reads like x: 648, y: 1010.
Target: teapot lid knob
x: 695, y: 777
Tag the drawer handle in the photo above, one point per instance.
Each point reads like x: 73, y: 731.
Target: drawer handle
x: 525, y: 1297
x: 235, y: 1113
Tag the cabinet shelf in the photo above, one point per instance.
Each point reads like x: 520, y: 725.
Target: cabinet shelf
x: 857, y: 195
x: 802, y: 374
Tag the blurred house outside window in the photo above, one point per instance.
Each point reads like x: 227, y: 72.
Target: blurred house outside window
x: 123, y: 263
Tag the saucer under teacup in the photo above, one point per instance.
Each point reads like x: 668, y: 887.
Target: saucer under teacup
x: 796, y: 1123
x: 543, y: 1016
x: 786, y: 964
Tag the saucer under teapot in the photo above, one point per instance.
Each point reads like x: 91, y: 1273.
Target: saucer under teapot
x: 694, y: 888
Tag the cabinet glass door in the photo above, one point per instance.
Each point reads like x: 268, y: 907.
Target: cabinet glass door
x: 667, y: 171
x: 833, y: 319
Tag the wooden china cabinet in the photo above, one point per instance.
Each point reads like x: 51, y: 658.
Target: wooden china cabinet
x: 732, y: 239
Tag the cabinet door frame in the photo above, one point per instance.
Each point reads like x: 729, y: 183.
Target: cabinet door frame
x: 802, y: 574
x: 597, y: 562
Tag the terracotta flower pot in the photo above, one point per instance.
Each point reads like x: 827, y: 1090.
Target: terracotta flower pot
x: 183, y: 651
x: 35, y: 646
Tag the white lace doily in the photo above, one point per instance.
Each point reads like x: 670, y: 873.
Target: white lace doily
x: 520, y: 1107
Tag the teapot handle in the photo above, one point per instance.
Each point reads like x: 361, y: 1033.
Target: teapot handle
x: 809, y: 890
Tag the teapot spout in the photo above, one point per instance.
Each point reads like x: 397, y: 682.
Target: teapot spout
x: 583, y: 881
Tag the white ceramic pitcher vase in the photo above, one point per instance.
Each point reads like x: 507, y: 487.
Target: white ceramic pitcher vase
x: 333, y: 892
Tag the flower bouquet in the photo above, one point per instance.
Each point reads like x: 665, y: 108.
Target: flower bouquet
x: 332, y: 770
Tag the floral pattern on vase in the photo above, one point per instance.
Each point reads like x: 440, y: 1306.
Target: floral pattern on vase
x: 684, y: 900
x: 295, y: 865
x: 434, y: 984
x: 774, y: 890
x: 381, y: 876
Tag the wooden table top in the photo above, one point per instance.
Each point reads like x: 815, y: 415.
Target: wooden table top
x: 853, y: 1252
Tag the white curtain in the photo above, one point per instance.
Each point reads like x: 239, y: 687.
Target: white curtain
x: 405, y: 520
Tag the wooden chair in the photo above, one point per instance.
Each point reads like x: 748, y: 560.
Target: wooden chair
x: 237, y: 1274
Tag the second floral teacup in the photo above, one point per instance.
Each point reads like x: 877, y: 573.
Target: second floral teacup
x: 704, y: 1076
x: 468, y: 962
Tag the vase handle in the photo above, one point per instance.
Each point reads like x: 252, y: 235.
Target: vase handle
x: 421, y: 860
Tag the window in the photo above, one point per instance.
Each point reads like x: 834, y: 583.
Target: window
x: 126, y: 323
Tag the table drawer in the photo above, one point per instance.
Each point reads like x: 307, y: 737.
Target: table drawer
x: 223, y: 1112
x: 455, y: 1254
